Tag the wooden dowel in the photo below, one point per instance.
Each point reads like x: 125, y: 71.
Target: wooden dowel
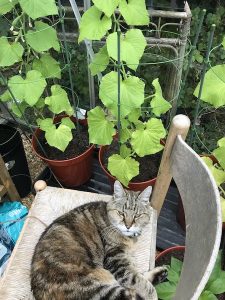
x: 179, y: 126
x: 7, y: 182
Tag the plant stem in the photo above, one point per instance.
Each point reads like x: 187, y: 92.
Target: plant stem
x: 118, y: 73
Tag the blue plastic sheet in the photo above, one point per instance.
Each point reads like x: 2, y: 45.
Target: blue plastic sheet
x: 12, y: 217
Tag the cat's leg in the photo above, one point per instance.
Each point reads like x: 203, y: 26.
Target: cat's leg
x: 157, y: 275
x: 118, y: 263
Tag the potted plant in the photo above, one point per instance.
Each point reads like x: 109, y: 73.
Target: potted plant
x: 130, y: 136
x: 31, y: 46
x: 214, y: 289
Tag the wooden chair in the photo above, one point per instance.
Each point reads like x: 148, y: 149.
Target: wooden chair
x: 201, y: 202
x: 6, y: 184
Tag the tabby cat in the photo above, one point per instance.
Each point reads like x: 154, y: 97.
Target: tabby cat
x: 83, y: 254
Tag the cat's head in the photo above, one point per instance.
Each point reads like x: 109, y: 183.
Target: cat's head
x: 129, y: 211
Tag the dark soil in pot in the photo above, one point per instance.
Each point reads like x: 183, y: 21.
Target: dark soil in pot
x: 78, y: 145
x: 149, y: 164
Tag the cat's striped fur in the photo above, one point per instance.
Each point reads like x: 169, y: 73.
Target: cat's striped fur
x: 83, y: 254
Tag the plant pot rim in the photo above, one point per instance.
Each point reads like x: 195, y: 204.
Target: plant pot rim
x: 131, y: 185
x: 168, y: 250
x: 34, y: 144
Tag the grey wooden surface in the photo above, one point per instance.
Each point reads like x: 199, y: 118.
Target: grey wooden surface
x: 201, y: 202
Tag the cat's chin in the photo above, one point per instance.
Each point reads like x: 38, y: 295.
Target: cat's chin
x: 130, y: 234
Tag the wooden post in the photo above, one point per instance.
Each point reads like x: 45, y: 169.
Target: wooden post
x: 179, y: 126
x: 7, y: 182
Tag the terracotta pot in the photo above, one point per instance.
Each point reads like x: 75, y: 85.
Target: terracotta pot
x: 169, y: 250
x: 180, y: 212
x: 134, y: 186
x: 70, y: 172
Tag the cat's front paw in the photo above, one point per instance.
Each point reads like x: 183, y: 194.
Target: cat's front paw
x: 157, y: 275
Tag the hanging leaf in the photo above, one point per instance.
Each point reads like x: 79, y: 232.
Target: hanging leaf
x: 124, y: 151
x: 147, y: 141
x: 43, y: 38
x: 101, y: 131
x: 132, y: 47
x: 100, y: 61
x: 29, y: 89
x: 58, y: 102
x: 47, y: 66
x: 39, y: 8
x: 68, y: 122
x: 124, y: 169
x: 125, y: 134
x: 132, y: 93
x: 59, y: 137
x: 108, y: 7
x: 213, y: 91
x: 45, y: 124
x: 218, y: 175
x: 7, y: 5
x: 10, y: 52
x: 219, y: 153
x: 158, y: 104
x: 134, y: 12
x: 93, y: 26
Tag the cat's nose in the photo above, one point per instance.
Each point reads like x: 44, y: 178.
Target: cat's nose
x: 128, y: 225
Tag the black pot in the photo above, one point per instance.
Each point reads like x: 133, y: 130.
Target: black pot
x: 13, y: 154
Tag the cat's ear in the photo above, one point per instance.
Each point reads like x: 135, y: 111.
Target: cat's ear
x: 144, y: 197
x: 118, y: 190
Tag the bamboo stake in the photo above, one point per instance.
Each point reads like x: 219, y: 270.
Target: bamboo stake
x: 179, y: 126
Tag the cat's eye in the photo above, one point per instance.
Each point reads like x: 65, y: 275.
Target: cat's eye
x: 120, y: 213
x: 138, y: 216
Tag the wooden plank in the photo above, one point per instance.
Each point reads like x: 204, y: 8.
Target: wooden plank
x: 7, y: 182
x: 3, y: 190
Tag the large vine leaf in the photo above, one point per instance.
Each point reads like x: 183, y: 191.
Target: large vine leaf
x: 218, y: 175
x: 132, y: 93
x: 147, y: 141
x: 124, y: 169
x: 47, y: 66
x: 101, y: 131
x: 134, y: 12
x: 43, y: 38
x: 59, y: 137
x: 108, y: 7
x: 39, y: 8
x: 132, y: 45
x: 58, y: 102
x: 10, y: 53
x: 100, y: 61
x: 93, y: 26
x: 7, y: 5
x: 219, y: 153
x: 158, y: 104
x: 213, y: 91
x: 29, y: 89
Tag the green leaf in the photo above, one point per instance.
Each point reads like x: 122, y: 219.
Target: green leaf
x: 165, y: 290
x: 132, y: 93
x: 125, y: 151
x: 59, y: 137
x: 5, y: 97
x: 217, y: 286
x: 93, y: 26
x: 47, y: 66
x: 58, y: 102
x: 216, y: 270
x: 101, y: 131
x: 134, y: 115
x: 132, y: 45
x: 218, y: 175
x: 40, y: 104
x: 10, y: 52
x: 214, y: 86
x: 173, y: 276
x: 124, y: 169
x: 68, y: 122
x: 134, y: 12
x: 43, y: 38
x: 108, y: 7
x: 219, y: 153
x: 29, y: 89
x: 147, y: 141
x: 207, y: 295
x: 45, y: 124
x: 223, y: 42
x: 19, y: 111
x: 223, y: 208
x: 124, y: 135
x: 100, y: 61
x: 158, y: 104
x: 7, y: 5
x: 176, y: 265
x: 41, y: 8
